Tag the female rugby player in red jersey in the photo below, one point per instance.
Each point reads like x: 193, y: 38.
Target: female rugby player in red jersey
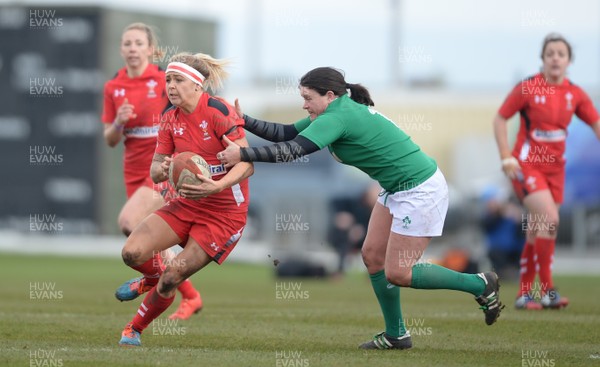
x: 546, y: 103
x: 133, y: 102
x: 207, y: 219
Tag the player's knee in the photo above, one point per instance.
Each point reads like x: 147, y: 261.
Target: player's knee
x: 544, y: 225
x: 124, y: 224
x: 398, y: 276
x: 131, y: 257
x: 371, y: 258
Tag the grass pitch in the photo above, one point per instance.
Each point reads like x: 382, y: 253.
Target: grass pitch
x: 57, y: 311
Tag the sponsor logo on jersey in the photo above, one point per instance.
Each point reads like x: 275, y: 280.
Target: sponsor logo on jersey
x: 539, y: 99
x: 214, y: 246
x: 119, y: 92
x: 216, y: 170
x: 178, y: 131
x: 142, y: 132
x: 549, y: 136
x: 204, y: 126
x: 151, y: 85
x: 406, y: 222
x: 569, y: 98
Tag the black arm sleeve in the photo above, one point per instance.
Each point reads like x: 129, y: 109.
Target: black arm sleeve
x: 281, y: 152
x: 270, y: 131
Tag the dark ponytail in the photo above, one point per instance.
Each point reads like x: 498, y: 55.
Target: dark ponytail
x: 326, y: 79
x: 360, y: 94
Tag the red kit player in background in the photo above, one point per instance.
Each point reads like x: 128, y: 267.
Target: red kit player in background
x: 207, y: 219
x: 536, y: 166
x: 133, y: 103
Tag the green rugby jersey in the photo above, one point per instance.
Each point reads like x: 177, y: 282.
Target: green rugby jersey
x: 359, y: 136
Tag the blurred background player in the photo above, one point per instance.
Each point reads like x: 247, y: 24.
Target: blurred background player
x: 133, y: 102
x: 546, y: 103
x: 207, y: 219
x: 409, y: 211
x: 501, y: 220
x: 349, y: 223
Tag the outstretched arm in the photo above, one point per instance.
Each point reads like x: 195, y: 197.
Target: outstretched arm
x: 270, y: 131
x: 281, y: 152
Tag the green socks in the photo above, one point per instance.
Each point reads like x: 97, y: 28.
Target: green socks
x: 388, y: 296
x: 424, y: 276
x: 431, y: 276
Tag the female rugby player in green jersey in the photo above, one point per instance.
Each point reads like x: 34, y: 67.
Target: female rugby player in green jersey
x: 410, y: 210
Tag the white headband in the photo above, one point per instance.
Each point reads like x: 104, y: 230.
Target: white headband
x: 187, y: 71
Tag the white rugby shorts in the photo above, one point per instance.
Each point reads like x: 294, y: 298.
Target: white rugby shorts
x: 421, y: 210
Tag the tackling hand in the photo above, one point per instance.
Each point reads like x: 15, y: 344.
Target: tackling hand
x: 231, y: 155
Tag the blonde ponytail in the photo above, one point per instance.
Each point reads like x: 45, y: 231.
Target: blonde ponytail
x: 212, y: 69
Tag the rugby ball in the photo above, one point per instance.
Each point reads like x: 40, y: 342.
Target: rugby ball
x: 184, y: 168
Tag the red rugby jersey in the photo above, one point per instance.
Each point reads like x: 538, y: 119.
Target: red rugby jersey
x: 546, y: 110
x: 201, y: 132
x: 147, y: 94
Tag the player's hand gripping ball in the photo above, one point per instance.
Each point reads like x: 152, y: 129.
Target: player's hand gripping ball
x: 184, y: 168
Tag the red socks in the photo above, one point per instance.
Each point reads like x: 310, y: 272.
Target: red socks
x: 151, y: 269
x: 544, y: 248
x: 152, y: 306
x: 187, y: 289
x: 528, y: 268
